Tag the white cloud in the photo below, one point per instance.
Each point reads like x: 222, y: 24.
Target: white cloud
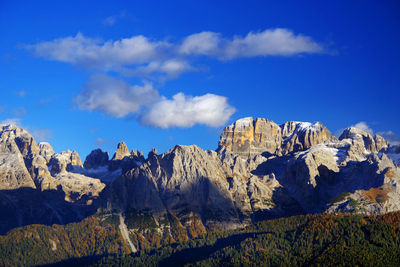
x: 115, y: 97
x: 203, y: 43
x: 391, y: 137
x: 172, y: 68
x: 186, y: 111
x: 93, y: 53
x: 272, y: 42
x: 12, y: 121
x: 277, y: 42
x: 139, y: 55
x: 362, y: 125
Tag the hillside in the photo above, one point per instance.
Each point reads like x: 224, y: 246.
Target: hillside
x: 310, y: 240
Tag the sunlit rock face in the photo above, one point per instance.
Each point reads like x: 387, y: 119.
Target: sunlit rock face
x: 249, y: 137
x: 263, y: 170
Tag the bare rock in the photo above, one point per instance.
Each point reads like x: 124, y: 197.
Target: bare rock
x: 250, y: 137
x: 298, y: 136
x: 121, y: 152
x: 95, y: 159
x: 46, y: 151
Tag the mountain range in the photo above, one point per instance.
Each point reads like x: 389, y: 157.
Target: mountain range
x: 260, y: 170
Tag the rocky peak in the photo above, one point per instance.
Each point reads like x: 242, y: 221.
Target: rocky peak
x: 152, y: 152
x: 250, y: 137
x: 298, y: 136
x: 24, y: 140
x: 95, y: 159
x: 121, y: 152
x: 65, y: 161
x: 368, y: 141
x: 46, y: 151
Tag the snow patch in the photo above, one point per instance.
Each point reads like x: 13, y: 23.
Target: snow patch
x: 308, y: 126
x: 244, y: 122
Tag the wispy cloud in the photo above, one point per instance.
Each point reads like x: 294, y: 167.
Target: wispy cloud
x: 111, y: 20
x: 42, y: 135
x: 391, y: 137
x: 21, y: 93
x: 12, y: 121
x: 99, y: 142
x: 44, y: 101
x: 362, y: 125
x: 19, y: 111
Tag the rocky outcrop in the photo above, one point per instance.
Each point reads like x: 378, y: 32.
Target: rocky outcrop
x: 40, y: 186
x: 65, y: 161
x: 121, y: 152
x: 95, y: 159
x: 14, y: 144
x: 393, y: 152
x: 125, y: 160
x: 46, y: 151
x: 370, y: 143
x: 249, y: 137
x: 299, y: 136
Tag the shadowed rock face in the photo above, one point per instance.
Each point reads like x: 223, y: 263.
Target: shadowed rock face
x: 34, y: 178
x: 95, y: 159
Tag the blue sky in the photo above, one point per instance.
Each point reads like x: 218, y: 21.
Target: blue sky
x: 87, y: 74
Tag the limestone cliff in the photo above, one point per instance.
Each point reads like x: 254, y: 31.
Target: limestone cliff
x: 40, y: 186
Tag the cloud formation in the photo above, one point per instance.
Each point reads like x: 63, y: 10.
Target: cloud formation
x: 139, y: 55
x: 118, y: 99
x: 186, y: 111
x: 362, y: 125
x: 115, y: 97
x: 272, y: 42
x: 144, y: 57
x: 93, y: 53
x: 12, y: 121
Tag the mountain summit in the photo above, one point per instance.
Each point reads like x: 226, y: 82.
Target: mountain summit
x: 260, y: 170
